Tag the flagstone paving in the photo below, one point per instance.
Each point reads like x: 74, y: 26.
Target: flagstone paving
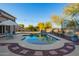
x: 17, y: 49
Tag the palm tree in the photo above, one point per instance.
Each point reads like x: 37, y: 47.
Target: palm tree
x: 41, y: 26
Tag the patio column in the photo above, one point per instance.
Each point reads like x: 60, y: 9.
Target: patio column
x: 11, y: 30
x: 2, y: 29
x: 5, y: 29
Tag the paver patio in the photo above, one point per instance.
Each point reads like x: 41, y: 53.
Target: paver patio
x: 5, y: 51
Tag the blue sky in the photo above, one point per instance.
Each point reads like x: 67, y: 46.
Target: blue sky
x: 32, y: 13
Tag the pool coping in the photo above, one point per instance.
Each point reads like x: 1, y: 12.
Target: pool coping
x: 44, y: 47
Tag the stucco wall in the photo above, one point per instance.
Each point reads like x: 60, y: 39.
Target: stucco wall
x: 2, y: 19
x: 12, y: 18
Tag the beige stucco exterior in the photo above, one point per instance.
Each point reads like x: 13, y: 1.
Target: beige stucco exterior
x: 4, y: 16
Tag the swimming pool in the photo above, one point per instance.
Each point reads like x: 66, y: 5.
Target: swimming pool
x: 39, y: 39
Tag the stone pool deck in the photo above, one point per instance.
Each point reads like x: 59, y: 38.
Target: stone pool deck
x: 4, y: 51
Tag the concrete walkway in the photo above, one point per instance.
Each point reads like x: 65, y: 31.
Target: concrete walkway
x: 17, y: 39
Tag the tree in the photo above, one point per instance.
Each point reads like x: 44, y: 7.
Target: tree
x: 57, y: 20
x: 73, y: 10
x: 21, y: 25
x: 26, y: 28
x: 31, y: 28
x: 41, y: 26
x: 36, y: 28
x: 48, y: 25
x: 71, y: 24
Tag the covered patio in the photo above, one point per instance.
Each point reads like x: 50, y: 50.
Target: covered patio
x: 3, y: 29
x: 8, y: 26
x: 6, y: 22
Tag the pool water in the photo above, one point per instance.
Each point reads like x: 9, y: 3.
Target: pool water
x: 39, y: 39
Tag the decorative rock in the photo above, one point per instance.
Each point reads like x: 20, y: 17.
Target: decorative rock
x: 71, y: 43
x: 70, y: 47
x: 38, y: 53
x: 66, y: 49
x: 53, y: 52
x: 63, y: 50
x: 15, y: 48
x: 24, y: 51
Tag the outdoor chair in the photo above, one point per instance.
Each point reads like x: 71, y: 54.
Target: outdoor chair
x: 74, y: 38
x: 9, y: 35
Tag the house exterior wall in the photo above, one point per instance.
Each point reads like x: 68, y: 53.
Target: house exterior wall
x: 4, y: 17
x: 8, y: 17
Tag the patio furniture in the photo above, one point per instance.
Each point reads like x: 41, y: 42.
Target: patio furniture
x: 8, y: 35
x: 9, y: 23
x: 74, y: 38
x: 1, y: 36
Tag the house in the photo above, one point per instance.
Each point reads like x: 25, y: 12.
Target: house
x: 4, y: 16
x: 20, y: 29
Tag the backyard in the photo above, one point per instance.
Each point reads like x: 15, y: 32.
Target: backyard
x: 37, y: 32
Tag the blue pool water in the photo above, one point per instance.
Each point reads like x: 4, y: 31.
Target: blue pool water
x: 39, y: 39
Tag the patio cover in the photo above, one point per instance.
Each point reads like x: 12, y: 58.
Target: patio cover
x: 9, y: 22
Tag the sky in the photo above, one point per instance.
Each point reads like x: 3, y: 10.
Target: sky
x: 32, y: 13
